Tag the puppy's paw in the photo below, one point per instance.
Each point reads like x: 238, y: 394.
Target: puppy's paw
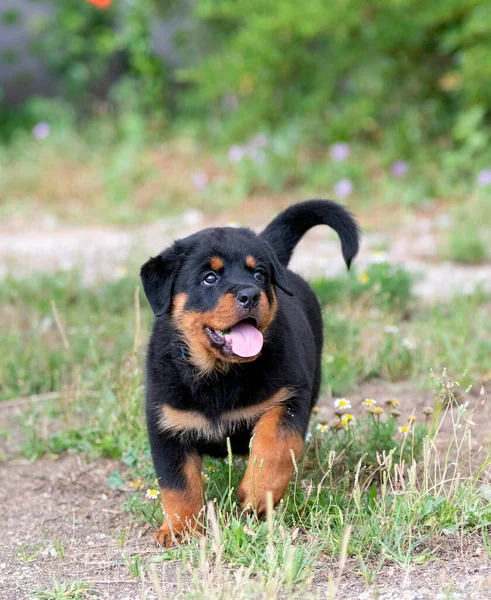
x: 171, y: 534
x: 168, y: 537
x: 257, y: 502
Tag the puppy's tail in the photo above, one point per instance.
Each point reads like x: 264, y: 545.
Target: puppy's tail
x: 287, y: 229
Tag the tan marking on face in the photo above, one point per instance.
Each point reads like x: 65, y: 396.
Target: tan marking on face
x: 267, y: 310
x: 203, y: 355
x: 182, y: 507
x: 196, y: 425
x: 270, y: 466
x: 192, y: 325
x: 251, y: 262
x: 216, y: 263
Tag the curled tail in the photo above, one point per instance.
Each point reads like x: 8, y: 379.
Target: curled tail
x: 287, y: 229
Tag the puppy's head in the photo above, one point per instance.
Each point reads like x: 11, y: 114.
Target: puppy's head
x: 218, y: 286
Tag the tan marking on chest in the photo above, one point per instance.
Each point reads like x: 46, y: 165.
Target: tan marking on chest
x: 196, y: 425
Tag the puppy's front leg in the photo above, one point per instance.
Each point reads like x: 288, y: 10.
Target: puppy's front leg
x: 270, y: 465
x: 178, y: 471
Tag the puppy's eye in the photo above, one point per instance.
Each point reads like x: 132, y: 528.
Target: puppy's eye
x: 259, y: 275
x: 210, y: 278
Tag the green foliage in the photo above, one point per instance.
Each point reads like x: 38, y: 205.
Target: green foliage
x: 348, y: 69
x: 361, y: 442
x: 383, y: 285
x: 470, y: 230
x: 366, y: 487
x: 63, y: 590
x: 81, y: 42
x: 77, y: 43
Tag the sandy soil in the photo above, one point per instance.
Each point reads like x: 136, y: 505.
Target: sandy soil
x: 108, y: 252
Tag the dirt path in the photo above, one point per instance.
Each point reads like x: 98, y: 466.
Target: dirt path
x: 108, y: 252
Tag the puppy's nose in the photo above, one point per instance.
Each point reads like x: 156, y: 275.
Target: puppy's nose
x: 247, y: 296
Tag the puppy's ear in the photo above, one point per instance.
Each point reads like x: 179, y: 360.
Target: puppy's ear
x: 279, y: 273
x: 158, y: 275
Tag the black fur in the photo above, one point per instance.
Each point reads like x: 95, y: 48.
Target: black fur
x: 291, y: 354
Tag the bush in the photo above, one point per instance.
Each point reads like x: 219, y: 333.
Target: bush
x: 350, y: 69
x: 94, y: 49
x: 385, y: 286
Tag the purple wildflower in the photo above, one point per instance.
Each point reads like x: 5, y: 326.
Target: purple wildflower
x: 399, y: 168
x: 41, y: 131
x: 235, y: 154
x: 484, y: 177
x: 343, y: 188
x: 200, y: 180
x: 339, y: 151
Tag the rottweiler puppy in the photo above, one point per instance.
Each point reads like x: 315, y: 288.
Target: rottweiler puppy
x: 235, y: 352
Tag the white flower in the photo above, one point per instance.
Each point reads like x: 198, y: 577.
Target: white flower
x: 308, y: 437
x: 378, y: 258
x: 342, y: 403
x: 152, y: 494
x: 322, y: 428
x: 409, y: 344
x: 391, y: 329
x: 369, y: 402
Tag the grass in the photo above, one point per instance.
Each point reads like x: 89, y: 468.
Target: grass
x: 120, y: 171
x: 372, y: 330
x: 61, y: 590
x: 364, y: 496
x: 468, y: 237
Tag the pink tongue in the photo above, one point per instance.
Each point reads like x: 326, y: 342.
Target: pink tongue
x: 246, y: 340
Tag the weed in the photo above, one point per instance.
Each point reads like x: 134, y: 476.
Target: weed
x: 134, y: 564
x: 467, y: 238
x: 77, y: 590
x: 28, y: 552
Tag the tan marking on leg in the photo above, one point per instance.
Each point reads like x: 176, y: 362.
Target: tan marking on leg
x: 216, y: 263
x: 181, y: 508
x: 270, y: 464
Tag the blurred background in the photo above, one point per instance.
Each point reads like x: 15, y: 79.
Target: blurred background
x: 126, y: 111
